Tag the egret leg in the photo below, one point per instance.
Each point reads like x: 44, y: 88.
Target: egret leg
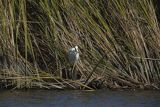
x: 74, y: 75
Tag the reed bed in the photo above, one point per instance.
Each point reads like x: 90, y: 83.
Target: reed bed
x: 119, y: 44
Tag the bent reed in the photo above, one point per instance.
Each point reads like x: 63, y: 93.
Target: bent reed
x: 119, y: 43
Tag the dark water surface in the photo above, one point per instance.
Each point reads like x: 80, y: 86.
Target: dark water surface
x: 101, y: 98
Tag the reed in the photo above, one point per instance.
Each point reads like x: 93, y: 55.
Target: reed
x: 119, y: 43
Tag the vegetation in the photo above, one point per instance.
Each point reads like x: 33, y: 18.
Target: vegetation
x: 119, y: 43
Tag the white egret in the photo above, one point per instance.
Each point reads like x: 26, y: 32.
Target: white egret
x: 73, y: 56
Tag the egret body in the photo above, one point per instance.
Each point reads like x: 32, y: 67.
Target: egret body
x: 73, y: 55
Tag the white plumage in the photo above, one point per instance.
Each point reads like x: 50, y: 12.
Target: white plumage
x: 73, y: 55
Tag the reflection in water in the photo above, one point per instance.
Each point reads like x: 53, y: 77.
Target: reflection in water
x: 102, y: 98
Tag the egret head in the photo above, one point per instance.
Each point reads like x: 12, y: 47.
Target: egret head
x: 76, y: 48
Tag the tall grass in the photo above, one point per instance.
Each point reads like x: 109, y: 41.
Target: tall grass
x: 119, y: 43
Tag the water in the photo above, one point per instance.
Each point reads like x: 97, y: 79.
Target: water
x: 101, y: 98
